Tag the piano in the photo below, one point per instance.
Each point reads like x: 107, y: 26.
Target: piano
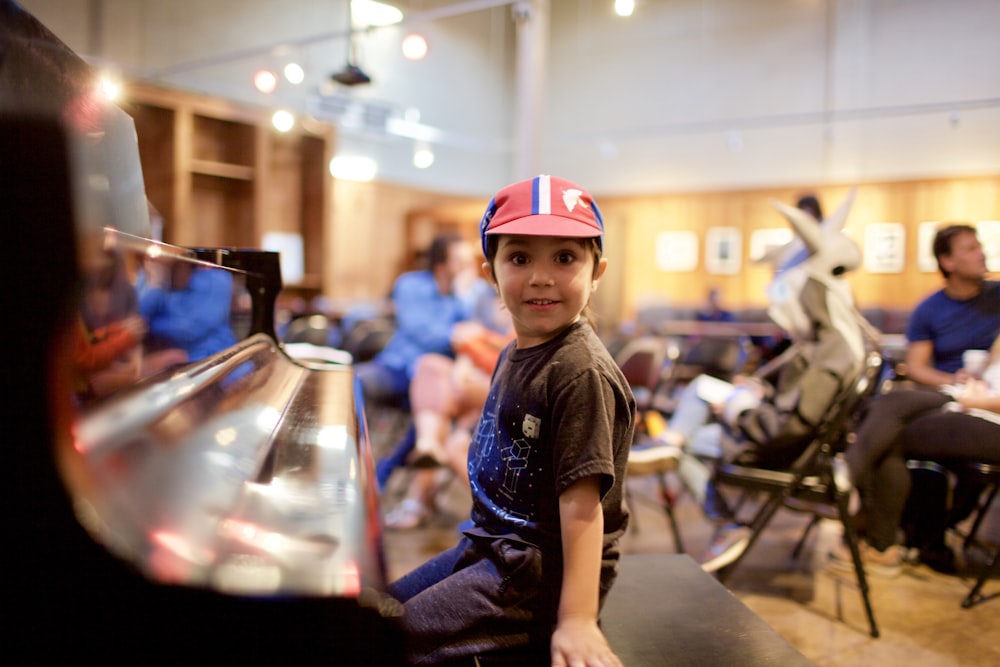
x: 221, y: 509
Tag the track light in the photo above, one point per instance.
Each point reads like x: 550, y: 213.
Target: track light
x: 351, y: 75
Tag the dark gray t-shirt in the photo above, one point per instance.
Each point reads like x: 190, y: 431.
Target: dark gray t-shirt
x: 556, y: 413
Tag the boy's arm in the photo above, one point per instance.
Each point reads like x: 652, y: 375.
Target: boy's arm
x: 577, y: 639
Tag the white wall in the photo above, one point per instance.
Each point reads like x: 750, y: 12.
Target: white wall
x: 706, y: 94
x: 684, y: 95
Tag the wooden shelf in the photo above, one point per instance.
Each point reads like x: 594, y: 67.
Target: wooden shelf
x: 220, y: 175
x: 237, y: 172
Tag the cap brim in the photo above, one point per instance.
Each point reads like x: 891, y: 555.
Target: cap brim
x: 547, y: 225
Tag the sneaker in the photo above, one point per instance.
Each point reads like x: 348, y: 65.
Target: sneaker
x: 729, y: 545
x: 407, y: 515
x: 888, y: 563
x: 427, y: 453
x: 656, y: 458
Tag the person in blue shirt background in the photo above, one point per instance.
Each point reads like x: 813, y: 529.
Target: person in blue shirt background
x: 713, y: 310
x: 962, y: 315
x: 186, y: 306
x: 427, y: 306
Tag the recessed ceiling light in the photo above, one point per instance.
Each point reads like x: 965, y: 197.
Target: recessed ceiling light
x: 370, y: 13
x: 414, y: 46
x: 265, y: 81
x: 283, y: 120
x: 294, y: 73
x: 423, y: 157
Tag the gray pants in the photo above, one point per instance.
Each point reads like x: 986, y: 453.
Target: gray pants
x: 481, y: 596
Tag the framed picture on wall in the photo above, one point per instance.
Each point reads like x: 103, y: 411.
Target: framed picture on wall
x: 677, y: 251
x: 885, y: 247
x: 988, y: 232
x: 724, y: 250
x: 925, y: 246
x: 763, y: 241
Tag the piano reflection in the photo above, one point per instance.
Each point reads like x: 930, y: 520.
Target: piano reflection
x: 224, y: 508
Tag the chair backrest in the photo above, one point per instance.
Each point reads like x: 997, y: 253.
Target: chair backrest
x: 313, y: 329
x: 844, y: 413
x: 641, y: 361
x: 367, y: 338
x: 720, y: 356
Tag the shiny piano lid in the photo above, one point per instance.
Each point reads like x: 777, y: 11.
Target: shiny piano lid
x: 249, y: 473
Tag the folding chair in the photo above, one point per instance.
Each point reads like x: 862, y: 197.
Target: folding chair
x: 975, y: 473
x: 989, y: 474
x: 643, y: 361
x: 316, y: 329
x: 718, y: 356
x: 809, y: 484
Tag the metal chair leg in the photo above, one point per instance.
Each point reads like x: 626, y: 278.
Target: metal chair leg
x: 975, y: 595
x: 859, y: 568
x: 797, y: 551
x: 668, y: 507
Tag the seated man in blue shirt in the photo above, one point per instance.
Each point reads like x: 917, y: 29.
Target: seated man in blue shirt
x: 427, y: 307
x: 963, y: 315
x: 186, y: 306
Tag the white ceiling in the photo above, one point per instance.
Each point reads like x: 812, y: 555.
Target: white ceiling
x: 683, y: 95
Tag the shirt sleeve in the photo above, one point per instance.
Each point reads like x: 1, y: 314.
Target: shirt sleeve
x: 918, y: 328
x: 584, y: 431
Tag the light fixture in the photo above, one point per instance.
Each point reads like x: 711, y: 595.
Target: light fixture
x: 369, y: 13
x: 353, y: 168
x: 265, y: 81
x: 294, y: 73
x: 351, y: 74
x: 423, y: 156
x: 283, y: 120
x: 414, y: 46
x: 624, y: 7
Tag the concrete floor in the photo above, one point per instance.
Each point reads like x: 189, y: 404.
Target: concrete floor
x: 818, y: 612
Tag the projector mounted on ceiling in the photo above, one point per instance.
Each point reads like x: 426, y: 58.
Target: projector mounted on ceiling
x: 351, y: 75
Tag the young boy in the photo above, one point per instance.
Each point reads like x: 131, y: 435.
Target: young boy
x: 547, y: 462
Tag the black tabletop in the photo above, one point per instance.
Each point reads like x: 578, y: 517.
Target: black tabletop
x: 665, y: 611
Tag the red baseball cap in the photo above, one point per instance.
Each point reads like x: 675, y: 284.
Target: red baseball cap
x: 543, y: 206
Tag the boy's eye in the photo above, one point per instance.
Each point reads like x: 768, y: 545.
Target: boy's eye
x: 518, y: 258
x: 565, y: 257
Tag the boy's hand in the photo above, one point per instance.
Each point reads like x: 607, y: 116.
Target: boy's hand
x: 578, y: 642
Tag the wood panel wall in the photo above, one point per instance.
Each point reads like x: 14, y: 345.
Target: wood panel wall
x: 909, y: 203
x: 632, y: 225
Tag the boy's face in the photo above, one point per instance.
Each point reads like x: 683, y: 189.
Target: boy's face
x: 545, y: 282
